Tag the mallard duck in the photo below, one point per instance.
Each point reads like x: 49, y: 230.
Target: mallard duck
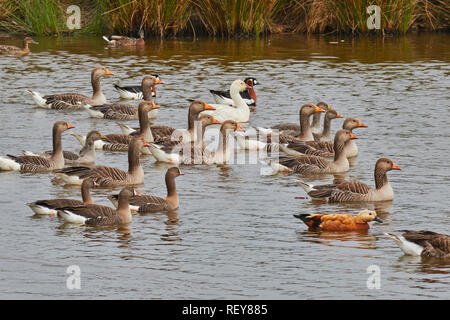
x: 6, y: 49
x: 122, y: 41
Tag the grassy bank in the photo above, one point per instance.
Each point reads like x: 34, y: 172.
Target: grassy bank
x: 223, y: 17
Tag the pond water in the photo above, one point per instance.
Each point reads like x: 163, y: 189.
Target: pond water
x: 234, y: 235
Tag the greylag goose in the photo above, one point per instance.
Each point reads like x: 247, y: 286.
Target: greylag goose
x: 36, y: 164
x: 354, y: 190
x: 150, y: 203
x: 6, y: 49
x: 97, y: 215
x: 48, y: 207
x: 118, y: 111
x: 122, y: 41
x: 222, y: 153
x: 133, y: 92
x: 239, y: 113
x: 315, y: 123
x: 108, y: 176
x: 339, y: 222
x: 427, y: 244
x: 249, y: 96
x: 303, y: 131
x: 325, y: 135
x: 324, y: 148
x: 308, y: 164
x: 86, y: 154
x: 74, y: 100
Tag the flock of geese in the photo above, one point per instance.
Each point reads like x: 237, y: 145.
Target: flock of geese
x: 307, y: 149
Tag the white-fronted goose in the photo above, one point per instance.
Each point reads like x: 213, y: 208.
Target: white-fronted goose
x: 315, y: 123
x: 7, y: 49
x: 325, y: 135
x: 239, y: 113
x: 109, y: 176
x: 249, y: 96
x: 86, y: 154
x: 354, y: 190
x: 122, y: 41
x: 303, y: 131
x: 150, y: 203
x: 48, y: 207
x: 36, y: 164
x: 427, y: 244
x: 133, y: 92
x: 97, y: 215
x: 74, y: 100
x: 308, y: 164
x: 119, y: 111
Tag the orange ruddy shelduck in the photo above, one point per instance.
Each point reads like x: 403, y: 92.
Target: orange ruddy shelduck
x: 339, y: 222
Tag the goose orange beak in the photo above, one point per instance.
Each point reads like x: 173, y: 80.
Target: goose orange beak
x: 109, y: 73
x: 216, y: 121
x: 395, y: 167
x: 339, y: 115
x: 103, y: 136
x: 318, y: 109
x: 352, y: 136
x: 181, y: 173
x: 240, y: 128
x: 159, y: 81
x: 146, y: 144
x: 362, y: 125
x: 155, y: 106
x: 209, y: 107
x: 70, y: 126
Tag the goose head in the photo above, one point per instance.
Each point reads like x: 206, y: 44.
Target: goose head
x: 324, y: 106
x: 367, y: 216
x: 342, y: 136
x: 151, y: 80
x: 93, y: 136
x: 99, y: 72
x: 146, y: 106
x: 385, y: 164
x: 61, y: 126
x: 251, y: 81
x: 352, y: 123
x: 309, y: 109
x: 332, y: 114
x: 239, y: 85
x: 174, y: 172
x: 208, y: 120
x: 230, y: 125
x: 198, y: 106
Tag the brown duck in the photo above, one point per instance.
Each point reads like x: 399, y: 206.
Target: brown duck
x: 6, y: 49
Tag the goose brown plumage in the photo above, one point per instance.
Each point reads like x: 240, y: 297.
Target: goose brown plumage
x: 98, y: 215
x: 222, y: 154
x: 339, y: 222
x: 308, y: 164
x: 354, y: 190
x: 325, y: 135
x: 109, y: 176
x: 36, y: 164
x: 149, y: 203
x: 48, y: 207
x: 7, y: 49
x: 74, y: 101
x: 315, y: 123
x: 123, y: 41
x: 427, y: 244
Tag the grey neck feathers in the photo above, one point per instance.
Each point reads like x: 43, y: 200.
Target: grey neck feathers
x: 57, y: 145
x: 133, y: 157
x: 171, y: 187
x: 380, y: 178
x: 147, y: 93
x: 326, y: 126
x: 96, y: 87
x: 85, y: 194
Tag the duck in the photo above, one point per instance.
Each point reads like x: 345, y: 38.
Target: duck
x: 315, y: 123
x: 150, y: 203
x: 108, y: 176
x: 133, y: 92
x: 118, y: 111
x: 86, y: 154
x: 308, y: 164
x: 355, y: 190
x: 181, y: 151
x: 122, y: 41
x: 48, y: 207
x: 426, y: 244
x: 339, y: 222
x: 303, y: 131
x: 35, y: 164
x: 249, y: 96
x: 325, y: 135
x: 98, y: 215
x: 7, y: 49
x: 324, y: 148
x: 239, y: 113
x: 74, y: 101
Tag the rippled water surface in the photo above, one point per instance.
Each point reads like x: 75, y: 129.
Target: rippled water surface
x: 234, y: 236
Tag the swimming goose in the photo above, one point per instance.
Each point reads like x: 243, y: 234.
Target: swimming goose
x: 315, y: 123
x: 308, y: 164
x: 108, y: 176
x: 427, y: 244
x: 86, y: 154
x: 98, y: 215
x: 118, y: 111
x: 239, y: 113
x: 302, y: 131
x: 150, y: 203
x: 324, y: 148
x: 133, y: 92
x: 74, y: 100
x: 339, y: 222
x: 35, y: 164
x: 354, y: 190
x: 6, y: 49
x: 325, y: 135
x: 48, y: 207
x: 98, y: 144
x: 122, y: 41
x: 222, y: 154
x: 249, y: 96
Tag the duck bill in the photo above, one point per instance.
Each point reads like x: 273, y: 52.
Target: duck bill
x: 209, y: 107
x: 362, y: 125
x: 103, y: 137
x: 318, y: 110
x: 215, y: 121
x: 395, y: 167
x: 378, y: 220
x: 339, y: 115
